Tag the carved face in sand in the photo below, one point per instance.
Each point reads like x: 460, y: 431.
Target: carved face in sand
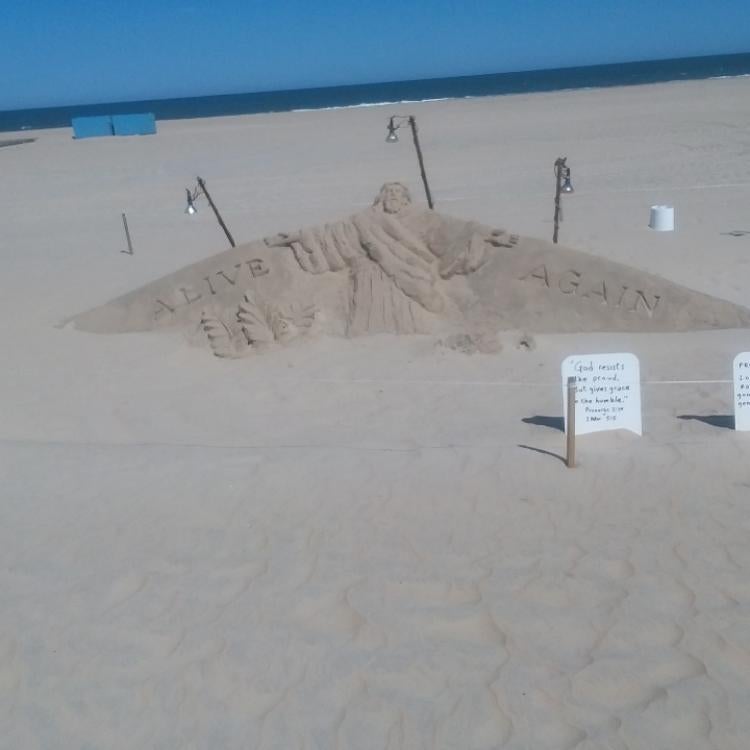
x: 393, y: 197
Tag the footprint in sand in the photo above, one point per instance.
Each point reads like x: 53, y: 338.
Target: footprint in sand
x: 547, y: 590
x: 370, y: 724
x: 547, y: 733
x: 731, y: 651
x: 433, y: 592
x: 463, y: 624
x: 670, y: 721
x: 592, y: 566
x: 636, y: 632
x: 228, y: 584
x: 415, y: 680
x: 538, y: 719
x: 124, y: 650
x: 617, y: 683
x: 562, y: 638
x: 125, y: 587
x: 450, y: 611
x: 10, y: 670
x: 668, y: 597
x: 332, y: 613
x: 476, y: 722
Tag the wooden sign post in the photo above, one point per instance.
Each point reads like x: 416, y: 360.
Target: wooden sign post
x: 570, y: 436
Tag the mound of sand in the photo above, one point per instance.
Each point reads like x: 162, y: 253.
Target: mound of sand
x: 395, y: 268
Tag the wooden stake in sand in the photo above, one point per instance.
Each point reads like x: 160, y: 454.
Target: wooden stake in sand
x: 129, y: 251
x: 570, y: 437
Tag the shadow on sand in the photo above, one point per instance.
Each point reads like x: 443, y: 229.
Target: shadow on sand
x: 726, y: 421
x: 541, y: 450
x: 555, y: 423
x: 15, y: 141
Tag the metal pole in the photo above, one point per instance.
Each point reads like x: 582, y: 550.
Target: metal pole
x: 202, y: 186
x: 413, y: 124
x: 570, y: 437
x: 559, y: 164
x: 127, y: 236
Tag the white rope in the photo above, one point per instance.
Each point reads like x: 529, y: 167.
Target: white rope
x: 407, y: 447
x: 481, y: 383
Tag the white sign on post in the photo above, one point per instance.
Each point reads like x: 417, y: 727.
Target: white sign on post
x: 608, y: 392
x: 742, y: 391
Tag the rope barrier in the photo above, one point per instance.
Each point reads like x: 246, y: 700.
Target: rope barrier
x: 483, y: 383
x: 407, y: 448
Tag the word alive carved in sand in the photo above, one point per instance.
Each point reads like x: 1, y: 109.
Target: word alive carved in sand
x: 608, y: 392
x: 398, y: 268
x: 741, y: 370
x: 212, y: 284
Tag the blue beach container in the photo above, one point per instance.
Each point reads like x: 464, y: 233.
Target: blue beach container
x: 138, y: 124
x: 92, y: 127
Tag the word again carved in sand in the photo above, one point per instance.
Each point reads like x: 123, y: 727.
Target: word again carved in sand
x: 398, y: 268
x: 585, y: 286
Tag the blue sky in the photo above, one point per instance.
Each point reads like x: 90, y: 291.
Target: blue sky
x: 56, y: 52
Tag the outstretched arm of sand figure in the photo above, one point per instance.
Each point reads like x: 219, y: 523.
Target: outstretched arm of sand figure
x: 501, y: 238
x: 476, y: 254
x: 282, y: 239
x: 321, y: 249
x: 306, y: 248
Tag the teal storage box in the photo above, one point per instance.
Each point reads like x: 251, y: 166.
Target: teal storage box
x: 138, y: 124
x: 92, y: 127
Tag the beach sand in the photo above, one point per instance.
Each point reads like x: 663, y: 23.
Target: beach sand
x: 374, y: 542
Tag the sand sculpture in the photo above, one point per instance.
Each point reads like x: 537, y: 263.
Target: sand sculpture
x: 397, y: 268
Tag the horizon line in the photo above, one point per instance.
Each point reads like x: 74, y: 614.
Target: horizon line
x: 367, y: 83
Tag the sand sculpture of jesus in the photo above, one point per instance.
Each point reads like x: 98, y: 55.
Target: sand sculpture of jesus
x: 398, y: 268
x: 396, y: 254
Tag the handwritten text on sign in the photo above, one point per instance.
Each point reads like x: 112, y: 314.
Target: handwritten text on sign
x: 742, y: 391
x: 608, y: 392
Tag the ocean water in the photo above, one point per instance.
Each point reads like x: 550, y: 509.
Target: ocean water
x: 621, y: 74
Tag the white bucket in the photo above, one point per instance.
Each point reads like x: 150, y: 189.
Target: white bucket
x: 662, y: 218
